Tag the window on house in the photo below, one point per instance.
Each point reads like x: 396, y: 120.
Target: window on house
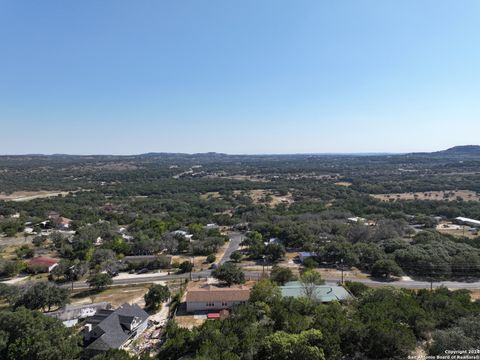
x: 224, y: 303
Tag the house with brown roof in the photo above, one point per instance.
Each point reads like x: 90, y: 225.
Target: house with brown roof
x: 41, y: 264
x: 212, y: 297
x: 63, y: 223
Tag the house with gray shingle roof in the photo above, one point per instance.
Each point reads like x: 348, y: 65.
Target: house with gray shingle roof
x: 113, y: 329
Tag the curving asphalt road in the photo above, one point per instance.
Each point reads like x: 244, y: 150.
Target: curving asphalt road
x: 234, y: 244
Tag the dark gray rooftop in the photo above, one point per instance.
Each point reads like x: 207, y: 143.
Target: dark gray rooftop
x: 114, y: 327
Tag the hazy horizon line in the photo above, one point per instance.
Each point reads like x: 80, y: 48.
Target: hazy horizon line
x: 220, y: 153
x: 365, y: 153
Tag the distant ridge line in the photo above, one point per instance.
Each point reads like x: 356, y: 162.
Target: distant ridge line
x: 463, y: 150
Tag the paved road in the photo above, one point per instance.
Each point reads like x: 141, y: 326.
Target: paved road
x: 408, y: 284
x: 412, y: 284
x: 150, y: 279
x: 234, y: 244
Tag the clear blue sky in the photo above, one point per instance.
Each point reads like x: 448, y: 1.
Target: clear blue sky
x: 238, y: 76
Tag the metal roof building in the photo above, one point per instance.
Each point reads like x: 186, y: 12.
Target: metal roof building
x: 322, y: 293
x: 468, y: 221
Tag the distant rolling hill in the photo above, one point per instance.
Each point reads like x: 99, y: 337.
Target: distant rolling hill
x: 468, y: 151
x: 464, y: 150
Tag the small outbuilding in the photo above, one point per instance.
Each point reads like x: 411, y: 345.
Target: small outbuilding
x: 468, y: 221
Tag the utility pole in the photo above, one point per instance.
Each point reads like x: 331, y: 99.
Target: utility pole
x: 341, y: 268
x: 432, y: 276
x: 72, y: 273
x: 193, y: 264
x: 263, y: 266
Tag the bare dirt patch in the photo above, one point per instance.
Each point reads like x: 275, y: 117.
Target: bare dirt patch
x: 188, y: 321
x: 200, y: 262
x: 465, y: 195
x: 343, y: 183
x: 456, y: 230
x: 116, y: 296
x: 267, y: 197
x: 210, y: 195
x: 475, y: 294
x: 30, y: 195
x: 257, y: 178
x: 258, y: 196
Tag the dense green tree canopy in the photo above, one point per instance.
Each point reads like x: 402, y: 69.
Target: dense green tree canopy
x: 266, y: 291
x: 156, y: 295
x: 42, y: 296
x: 229, y: 273
x: 99, y: 281
x: 384, y: 323
x: 281, y: 275
x: 27, y: 335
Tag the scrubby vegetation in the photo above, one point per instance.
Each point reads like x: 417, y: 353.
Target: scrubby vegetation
x: 135, y: 213
x: 382, y: 323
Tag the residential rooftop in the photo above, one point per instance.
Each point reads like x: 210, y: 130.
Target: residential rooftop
x: 323, y: 293
x: 111, y: 329
x: 217, y: 293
